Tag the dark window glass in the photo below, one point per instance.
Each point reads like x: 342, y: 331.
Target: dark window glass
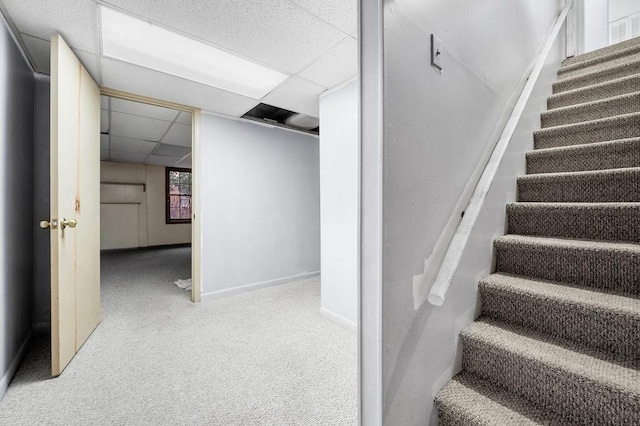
x: 178, y: 195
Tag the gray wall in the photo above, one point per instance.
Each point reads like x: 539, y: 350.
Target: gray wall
x: 260, y: 205
x: 438, y: 130
x: 42, y: 249
x: 17, y: 229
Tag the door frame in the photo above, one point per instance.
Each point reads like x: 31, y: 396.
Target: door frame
x: 196, y: 226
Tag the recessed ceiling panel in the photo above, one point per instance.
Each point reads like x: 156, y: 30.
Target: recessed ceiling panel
x: 132, y: 145
x: 141, y: 81
x: 276, y: 32
x: 171, y: 150
x: 337, y: 66
x: 134, y: 127
x: 143, y: 110
x: 339, y: 13
x: 160, y: 160
x: 296, y: 95
x: 185, y: 162
x: 75, y: 20
x: 178, y: 134
x: 128, y: 157
x: 184, y: 118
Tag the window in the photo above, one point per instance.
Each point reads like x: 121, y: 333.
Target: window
x: 178, y: 195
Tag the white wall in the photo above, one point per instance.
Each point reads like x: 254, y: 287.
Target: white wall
x: 619, y: 9
x: 260, y: 205
x: 593, y: 27
x: 131, y: 216
x: 438, y: 127
x: 339, y: 204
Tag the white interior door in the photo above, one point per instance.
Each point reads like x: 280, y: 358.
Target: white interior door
x: 75, y: 205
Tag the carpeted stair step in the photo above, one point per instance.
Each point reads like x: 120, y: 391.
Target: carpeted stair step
x: 591, y: 317
x: 602, y: 58
x: 600, y: 63
x: 594, y: 156
x: 620, y: 86
x: 597, y: 76
x: 609, y: 265
x: 619, y: 48
x: 600, y: 186
x: 470, y: 400
x: 601, y: 130
x: 581, y: 386
x: 590, y: 111
x: 589, y: 221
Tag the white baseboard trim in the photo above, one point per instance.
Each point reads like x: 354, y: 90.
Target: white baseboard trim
x: 13, y: 367
x: 339, y: 319
x: 255, y: 286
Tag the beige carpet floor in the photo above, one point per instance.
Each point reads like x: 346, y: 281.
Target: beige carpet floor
x: 261, y: 358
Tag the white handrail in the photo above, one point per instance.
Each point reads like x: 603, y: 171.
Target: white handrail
x: 461, y: 237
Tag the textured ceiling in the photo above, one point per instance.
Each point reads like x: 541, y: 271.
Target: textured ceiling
x: 313, y: 41
x: 134, y: 132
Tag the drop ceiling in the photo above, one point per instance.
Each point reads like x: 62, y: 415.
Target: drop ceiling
x: 312, y: 41
x: 133, y: 132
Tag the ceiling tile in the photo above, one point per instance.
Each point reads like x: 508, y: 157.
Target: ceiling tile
x: 161, y: 160
x: 178, y: 134
x: 185, y: 162
x: 172, y: 150
x: 128, y: 157
x: 132, y: 145
x: 134, y: 127
x: 40, y: 51
x: 143, y: 110
x: 296, y: 95
x: 184, y: 118
x: 339, y: 13
x: 104, y: 142
x: 337, y: 66
x: 75, y: 20
x: 104, y: 121
x: 142, y: 81
x: 275, y: 32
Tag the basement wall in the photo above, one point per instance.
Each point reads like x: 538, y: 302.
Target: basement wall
x: 17, y: 227
x: 438, y: 131
x: 260, y: 205
x: 132, y: 217
x: 339, y: 209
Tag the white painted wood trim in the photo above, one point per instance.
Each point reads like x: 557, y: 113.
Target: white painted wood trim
x: 339, y: 319
x: 460, y: 239
x: 256, y: 286
x: 13, y: 367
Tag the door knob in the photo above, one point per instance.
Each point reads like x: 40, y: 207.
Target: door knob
x: 44, y: 224
x: 71, y: 223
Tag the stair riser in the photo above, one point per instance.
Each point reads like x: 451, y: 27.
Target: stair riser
x: 604, y: 224
x: 618, y: 47
x: 597, y: 157
x: 580, y: 134
x: 607, y: 269
x: 596, y: 93
x: 577, y: 399
x: 620, y: 106
x: 589, y: 67
x: 598, y: 328
x: 600, y: 77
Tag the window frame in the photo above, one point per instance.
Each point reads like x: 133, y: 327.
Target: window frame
x: 167, y: 195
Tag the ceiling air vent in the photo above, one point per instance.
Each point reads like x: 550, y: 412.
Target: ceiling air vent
x: 284, y: 118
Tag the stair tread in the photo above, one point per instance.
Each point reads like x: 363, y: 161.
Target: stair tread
x: 633, y: 117
x: 600, y: 103
x: 571, y: 243
x: 468, y: 399
x: 602, y: 51
x: 586, y: 297
x: 599, y: 65
x: 579, y: 174
x: 600, y: 85
x: 601, y: 58
x: 595, y: 74
x: 586, y: 365
x: 586, y: 146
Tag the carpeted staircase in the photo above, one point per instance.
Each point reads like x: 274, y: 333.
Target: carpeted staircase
x: 558, y: 338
